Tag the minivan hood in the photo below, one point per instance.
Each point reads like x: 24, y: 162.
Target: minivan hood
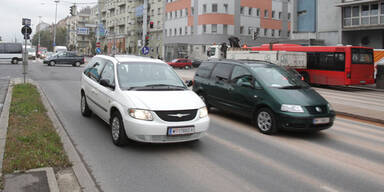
x: 303, y: 97
x: 164, y: 100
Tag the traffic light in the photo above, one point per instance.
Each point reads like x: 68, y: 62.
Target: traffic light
x: 71, y: 10
x: 151, y: 24
x: 146, y: 40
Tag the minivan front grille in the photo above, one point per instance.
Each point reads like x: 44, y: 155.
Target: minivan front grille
x: 175, y: 116
x: 321, y: 109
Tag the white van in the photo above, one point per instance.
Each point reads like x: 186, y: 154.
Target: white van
x: 142, y: 99
x: 11, y: 52
x: 57, y: 49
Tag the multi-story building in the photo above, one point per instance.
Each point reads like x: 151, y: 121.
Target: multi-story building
x: 42, y: 26
x: 192, y: 25
x: 81, y: 33
x: 362, y: 22
x: 316, y: 22
x: 123, y: 21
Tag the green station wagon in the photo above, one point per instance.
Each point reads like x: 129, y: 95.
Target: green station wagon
x: 273, y: 97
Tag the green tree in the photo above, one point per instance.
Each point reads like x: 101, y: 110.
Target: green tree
x: 46, y: 38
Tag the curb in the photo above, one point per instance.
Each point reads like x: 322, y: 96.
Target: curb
x: 85, y: 179
x: 4, y: 117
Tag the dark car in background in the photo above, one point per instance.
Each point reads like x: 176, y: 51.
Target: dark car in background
x: 181, y: 63
x: 271, y: 96
x: 196, y: 63
x: 65, y: 57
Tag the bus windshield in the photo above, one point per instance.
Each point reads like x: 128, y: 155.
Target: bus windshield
x: 362, y: 56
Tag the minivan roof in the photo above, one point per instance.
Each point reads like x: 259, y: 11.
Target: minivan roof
x: 130, y: 58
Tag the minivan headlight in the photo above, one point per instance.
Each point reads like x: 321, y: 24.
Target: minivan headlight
x: 203, y: 112
x: 140, y: 114
x: 292, y: 108
x: 330, y: 108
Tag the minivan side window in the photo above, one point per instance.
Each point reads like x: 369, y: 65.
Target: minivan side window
x: 241, y: 75
x: 222, y: 71
x: 108, y: 73
x: 205, y: 69
x: 95, y: 69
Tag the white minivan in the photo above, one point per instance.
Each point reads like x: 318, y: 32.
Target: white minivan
x: 142, y: 99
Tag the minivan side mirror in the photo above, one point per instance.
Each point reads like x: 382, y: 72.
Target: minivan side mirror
x: 106, y: 83
x: 245, y: 84
x: 189, y: 83
x: 257, y: 85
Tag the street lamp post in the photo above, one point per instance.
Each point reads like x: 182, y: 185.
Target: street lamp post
x: 54, y: 29
x: 38, y: 44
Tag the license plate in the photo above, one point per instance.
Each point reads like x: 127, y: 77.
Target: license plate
x: 324, y: 120
x: 362, y: 82
x: 172, y: 131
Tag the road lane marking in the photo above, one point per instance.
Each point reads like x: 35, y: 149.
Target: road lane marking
x: 288, y: 172
x: 207, y: 173
x: 371, y: 171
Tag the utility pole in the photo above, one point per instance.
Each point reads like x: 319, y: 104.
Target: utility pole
x: 38, y: 44
x: 98, y: 27
x: 54, y: 29
x: 145, y: 21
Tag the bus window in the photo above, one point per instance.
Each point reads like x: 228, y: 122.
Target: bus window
x: 362, y: 56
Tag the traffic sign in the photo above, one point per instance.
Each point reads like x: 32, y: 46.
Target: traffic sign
x: 97, y: 44
x: 145, y: 50
x: 26, y: 22
x: 98, y: 50
x: 26, y: 30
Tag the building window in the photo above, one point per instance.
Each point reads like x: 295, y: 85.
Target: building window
x: 265, y: 32
x: 347, y: 16
x: 241, y: 10
x: 191, y: 30
x: 204, y: 28
x: 280, y: 15
x: 204, y: 8
x: 374, y: 13
x: 258, y: 12
x: 356, y: 15
x: 249, y: 30
x: 279, y: 33
x: 289, y: 16
x: 382, y: 13
x: 214, y: 28
x: 273, y: 14
x: 250, y: 11
x: 364, y: 14
x: 158, y: 11
x: 186, y: 30
x: 175, y: 30
x: 214, y: 8
x: 225, y: 8
x: 180, y: 31
x: 273, y: 33
x: 192, y: 11
x: 266, y: 13
x: 186, y: 12
x: 241, y: 29
x: 225, y: 29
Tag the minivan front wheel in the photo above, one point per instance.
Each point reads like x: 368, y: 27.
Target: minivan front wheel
x: 15, y: 61
x: 119, y: 136
x: 265, y: 121
x: 85, y: 111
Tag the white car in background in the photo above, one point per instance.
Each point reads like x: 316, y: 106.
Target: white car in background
x: 142, y: 99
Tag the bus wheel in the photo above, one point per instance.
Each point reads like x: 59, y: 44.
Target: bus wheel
x: 15, y: 61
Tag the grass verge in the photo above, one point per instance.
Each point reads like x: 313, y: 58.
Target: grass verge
x: 32, y: 141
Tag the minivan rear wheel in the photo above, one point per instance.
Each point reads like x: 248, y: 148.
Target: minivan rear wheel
x: 265, y: 121
x: 119, y: 136
x: 15, y: 61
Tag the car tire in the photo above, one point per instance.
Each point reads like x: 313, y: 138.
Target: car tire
x: 187, y: 67
x: 15, y: 61
x: 85, y: 111
x: 118, y: 134
x: 77, y: 64
x: 265, y: 121
x: 52, y: 63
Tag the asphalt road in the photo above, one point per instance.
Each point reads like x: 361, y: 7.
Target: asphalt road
x: 234, y: 156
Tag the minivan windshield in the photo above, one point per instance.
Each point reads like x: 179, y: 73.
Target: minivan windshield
x: 278, y: 77
x: 148, y: 76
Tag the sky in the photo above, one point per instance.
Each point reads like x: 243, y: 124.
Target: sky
x: 12, y: 12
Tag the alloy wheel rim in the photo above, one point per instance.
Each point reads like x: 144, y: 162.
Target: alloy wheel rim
x: 115, y: 128
x: 264, y: 121
x: 82, y: 103
x: 77, y: 64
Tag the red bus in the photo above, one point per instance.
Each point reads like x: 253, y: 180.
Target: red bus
x: 332, y: 65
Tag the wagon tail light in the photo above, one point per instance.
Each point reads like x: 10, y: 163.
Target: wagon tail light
x: 348, y: 75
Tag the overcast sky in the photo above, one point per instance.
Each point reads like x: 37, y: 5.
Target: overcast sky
x: 12, y: 12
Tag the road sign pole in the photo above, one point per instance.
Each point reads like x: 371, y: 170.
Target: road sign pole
x: 25, y: 59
